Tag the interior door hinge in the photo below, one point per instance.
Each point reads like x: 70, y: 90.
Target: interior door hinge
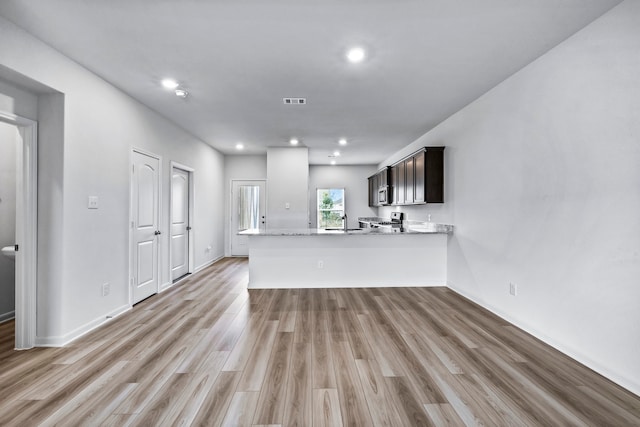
x: 16, y: 247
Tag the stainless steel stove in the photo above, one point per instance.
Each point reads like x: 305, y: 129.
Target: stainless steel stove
x: 395, y: 221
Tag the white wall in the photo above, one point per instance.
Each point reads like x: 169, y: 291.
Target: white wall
x: 86, y: 134
x: 18, y: 101
x: 287, y: 184
x: 543, y: 186
x: 239, y: 168
x: 354, y: 181
x: 8, y: 151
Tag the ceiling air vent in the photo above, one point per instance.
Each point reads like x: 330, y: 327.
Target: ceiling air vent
x: 294, y: 101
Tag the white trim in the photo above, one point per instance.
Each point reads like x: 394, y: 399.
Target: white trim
x: 232, y: 203
x: 165, y: 286
x: 159, y: 266
x: 5, y: 317
x: 191, y: 251
x: 168, y: 285
x: 343, y: 210
x: 561, y: 347
x: 62, y: 340
x: 26, y: 231
x: 207, y: 264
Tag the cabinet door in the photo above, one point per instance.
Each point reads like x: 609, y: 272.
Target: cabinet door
x: 434, y: 172
x: 373, y: 192
x: 400, y: 186
x: 409, y: 180
x: 419, y: 178
x: 380, y: 179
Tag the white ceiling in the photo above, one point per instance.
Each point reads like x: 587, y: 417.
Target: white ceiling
x: 238, y: 58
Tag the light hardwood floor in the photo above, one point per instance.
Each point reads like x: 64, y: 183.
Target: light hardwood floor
x: 208, y: 352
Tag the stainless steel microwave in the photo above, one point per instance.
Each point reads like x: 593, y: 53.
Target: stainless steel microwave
x: 383, y: 195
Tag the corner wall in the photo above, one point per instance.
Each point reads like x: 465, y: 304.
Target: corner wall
x: 86, y: 134
x: 287, y: 187
x: 542, y: 185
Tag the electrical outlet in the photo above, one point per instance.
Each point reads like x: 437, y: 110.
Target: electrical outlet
x: 92, y: 203
x: 513, y: 289
x: 320, y: 264
x: 106, y: 288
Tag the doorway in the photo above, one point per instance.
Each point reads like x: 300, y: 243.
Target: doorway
x: 24, y: 205
x: 180, y: 221
x: 145, y: 221
x: 247, y: 213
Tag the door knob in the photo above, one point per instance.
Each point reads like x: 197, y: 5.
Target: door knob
x: 157, y: 232
x: 188, y: 228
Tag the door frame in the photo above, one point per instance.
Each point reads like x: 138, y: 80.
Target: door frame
x: 26, y: 231
x: 190, y: 171
x: 232, y: 203
x: 131, y: 221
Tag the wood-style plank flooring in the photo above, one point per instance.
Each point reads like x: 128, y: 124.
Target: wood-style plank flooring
x: 208, y: 352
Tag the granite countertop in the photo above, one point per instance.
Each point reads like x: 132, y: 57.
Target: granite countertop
x: 418, y: 228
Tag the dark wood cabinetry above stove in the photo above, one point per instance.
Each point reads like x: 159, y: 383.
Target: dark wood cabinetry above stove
x: 380, y: 188
x: 416, y: 179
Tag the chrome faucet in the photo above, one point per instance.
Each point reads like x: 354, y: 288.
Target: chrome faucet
x: 346, y: 227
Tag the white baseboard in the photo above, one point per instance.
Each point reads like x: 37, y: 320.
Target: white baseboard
x: 62, y: 340
x: 165, y: 286
x: 5, y: 317
x: 561, y: 347
x: 277, y: 285
x: 207, y: 264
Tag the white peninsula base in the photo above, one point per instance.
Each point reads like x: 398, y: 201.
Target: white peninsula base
x: 347, y: 260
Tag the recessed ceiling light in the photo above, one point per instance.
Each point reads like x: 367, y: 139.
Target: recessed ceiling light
x: 293, y: 141
x: 336, y: 153
x: 239, y: 146
x: 169, y: 84
x: 333, y: 162
x: 342, y: 141
x: 355, y: 55
x: 181, y: 93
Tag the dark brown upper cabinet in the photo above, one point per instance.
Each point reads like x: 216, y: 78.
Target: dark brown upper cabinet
x: 380, y: 191
x: 373, y: 190
x: 419, y: 178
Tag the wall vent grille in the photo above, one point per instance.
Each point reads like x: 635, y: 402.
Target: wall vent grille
x: 294, y: 101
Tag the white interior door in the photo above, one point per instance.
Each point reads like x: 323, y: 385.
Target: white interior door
x: 180, y: 228
x: 26, y: 227
x: 248, y: 212
x: 145, y: 205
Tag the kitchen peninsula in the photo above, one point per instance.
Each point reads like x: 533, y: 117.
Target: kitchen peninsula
x: 415, y: 255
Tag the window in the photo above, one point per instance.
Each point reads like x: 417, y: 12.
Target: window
x: 248, y: 207
x: 330, y: 207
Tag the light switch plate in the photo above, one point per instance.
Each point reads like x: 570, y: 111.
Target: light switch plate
x: 93, y: 202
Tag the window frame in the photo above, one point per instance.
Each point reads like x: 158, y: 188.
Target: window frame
x: 319, y: 210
